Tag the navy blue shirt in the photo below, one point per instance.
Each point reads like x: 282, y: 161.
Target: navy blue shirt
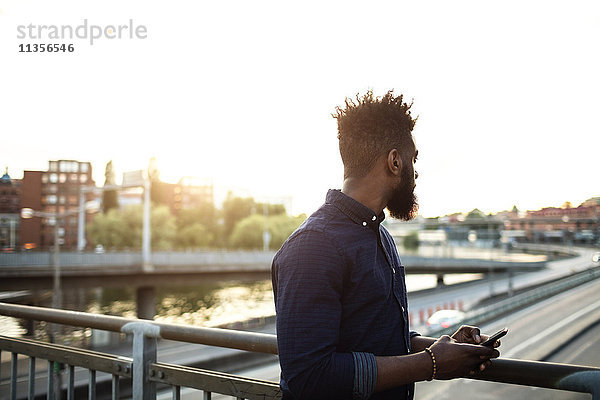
x: 339, y: 289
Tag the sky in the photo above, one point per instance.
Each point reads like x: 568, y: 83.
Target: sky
x: 242, y: 93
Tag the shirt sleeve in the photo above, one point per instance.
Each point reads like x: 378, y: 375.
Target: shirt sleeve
x: 365, y: 375
x: 308, y: 275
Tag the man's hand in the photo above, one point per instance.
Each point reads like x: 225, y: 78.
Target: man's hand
x: 468, y: 334
x: 472, y: 335
x: 455, y: 360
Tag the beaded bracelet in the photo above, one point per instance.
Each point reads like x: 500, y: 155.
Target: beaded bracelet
x: 434, y: 369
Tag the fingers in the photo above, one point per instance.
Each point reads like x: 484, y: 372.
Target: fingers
x: 468, y: 334
x: 444, y: 339
x: 475, y: 334
x: 494, y: 354
x: 483, y: 351
x: 480, y: 368
x: 484, y: 365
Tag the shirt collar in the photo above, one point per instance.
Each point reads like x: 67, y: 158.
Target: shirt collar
x: 357, y: 212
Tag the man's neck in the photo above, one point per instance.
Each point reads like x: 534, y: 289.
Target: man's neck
x: 366, y: 191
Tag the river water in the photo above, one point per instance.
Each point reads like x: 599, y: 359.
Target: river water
x: 216, y: 303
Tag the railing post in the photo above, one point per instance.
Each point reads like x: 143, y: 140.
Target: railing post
x: 13, y: 376
x: 144, y: 354
x: 31, y: 381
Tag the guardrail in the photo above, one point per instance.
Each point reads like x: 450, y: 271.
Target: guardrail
x: 125, y: 258
x: 145, y: 372
x: 40, y: 263
x: 480, y: 315
x: 544, y: 248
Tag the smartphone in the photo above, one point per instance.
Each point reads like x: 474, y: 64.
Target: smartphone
x: 495, y: 337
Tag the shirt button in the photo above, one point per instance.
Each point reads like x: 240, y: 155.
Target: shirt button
x: 364, y: 223
x: 374, y: 218
x: 402, y: 308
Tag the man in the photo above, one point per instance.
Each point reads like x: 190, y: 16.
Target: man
x: 340, y: 293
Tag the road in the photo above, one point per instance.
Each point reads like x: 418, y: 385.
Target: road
x: 471, y: 293
x: 535, y: 333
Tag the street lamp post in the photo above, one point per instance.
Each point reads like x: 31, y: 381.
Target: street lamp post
x: 57, y: 293
x: 27, y: 213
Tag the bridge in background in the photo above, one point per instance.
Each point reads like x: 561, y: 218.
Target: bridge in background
x: 35, y: 270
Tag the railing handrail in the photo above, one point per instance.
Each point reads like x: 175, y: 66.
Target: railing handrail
x: 575, y: 378
x: 249, y: 341
x: 523, y: 372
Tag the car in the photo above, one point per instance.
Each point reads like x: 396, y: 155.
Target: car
x: 445, y: 319
x: 99, y: 249
x: 596, y: 257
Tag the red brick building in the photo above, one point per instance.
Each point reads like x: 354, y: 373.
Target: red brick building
x: 561, y: 224
x: 57, y: 191
x: 187, y: 193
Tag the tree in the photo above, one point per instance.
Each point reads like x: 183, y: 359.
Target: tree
x: 204, y: 215
x: 157, y: 188
x: 109, y: 197
x: 234, y: 210
x: 248, y: 233
x: 110, y: 229
x: 411, y: 241
x: 122, y: 229
x: 271, y: 209
x: 194, y: 236
x: 163, y: 228
x: 475, y: 214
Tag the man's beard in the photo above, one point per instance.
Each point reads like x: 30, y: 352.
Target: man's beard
x: 403, y: 204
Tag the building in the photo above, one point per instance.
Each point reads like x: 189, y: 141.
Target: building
x: 192, y: 192
x: 57, y: 191
x: 560, y: 224
x: 592, y: 202
x: 10, y: 212
x: 188, y: 193
x: 31, y: 197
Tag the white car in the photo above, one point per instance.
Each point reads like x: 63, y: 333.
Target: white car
x: 445, y: 319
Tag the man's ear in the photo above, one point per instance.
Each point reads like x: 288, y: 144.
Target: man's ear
x: 394, y: 162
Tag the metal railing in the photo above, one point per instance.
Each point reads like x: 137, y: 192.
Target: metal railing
x: 144, y: 372
x: 142, y: 369
x: 213, y: 258
x: 129, y: 258
x: 492, y: 311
